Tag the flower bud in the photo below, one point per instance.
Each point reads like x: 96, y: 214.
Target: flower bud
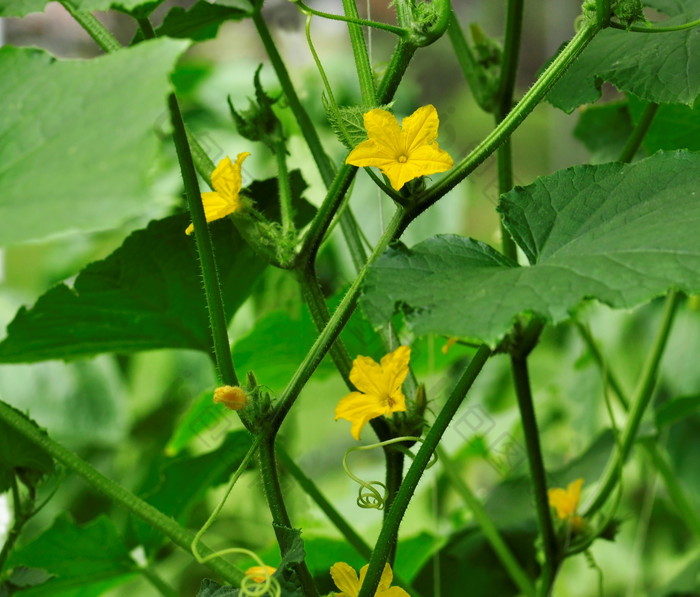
x: 232, y: 397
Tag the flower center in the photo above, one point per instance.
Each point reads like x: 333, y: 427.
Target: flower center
x: 402, y: 159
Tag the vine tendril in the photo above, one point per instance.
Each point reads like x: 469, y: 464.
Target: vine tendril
x: 369, y: 496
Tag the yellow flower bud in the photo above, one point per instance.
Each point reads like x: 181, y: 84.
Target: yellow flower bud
x: 232, y: 397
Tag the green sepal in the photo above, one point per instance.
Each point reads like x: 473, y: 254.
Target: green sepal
x: 629, y: 12
x: 429, y: 21
x: 348, y: 122
x: 259, y: 122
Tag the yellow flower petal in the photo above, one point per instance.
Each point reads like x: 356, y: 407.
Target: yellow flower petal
x: 259, y: 573
x: 403, y: 152
x: 565, y: 501
x: 420, y: 128
x: 383, y: 128
x: 380, y: 389
x: 226, y: 180
x: 359, y: 409
x: 395, y: 369
x: 345, y: 578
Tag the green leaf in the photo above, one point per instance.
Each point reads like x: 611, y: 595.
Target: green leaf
x: 145, y: 295
x: 177, y: 484
x: 21, y: 8
x: 76, y: 156
x: 199, y: 23
x: 677, y: 409
x: 622, y: 234
x: 674, y: 126
x: 86, y: 560
x: 19, y: 456
x: 604, y: 130
x: 661, y: 67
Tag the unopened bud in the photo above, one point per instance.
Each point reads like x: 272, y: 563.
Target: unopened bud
x: 232, y: 397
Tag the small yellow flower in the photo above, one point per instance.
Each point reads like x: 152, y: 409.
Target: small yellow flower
x: 232, y: 397
x: 227, y: 181
x: 401, y: 152
x: 565, y: 501
x: 345, y: 578
x: 260, y: 574
x: 380, y: 389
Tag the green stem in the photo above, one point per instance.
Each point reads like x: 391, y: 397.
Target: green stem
x: 638, y: 404
x: 20, y: 517
x: 515, y: 117
x: 509, y: 71
x: 353, y: 20
x: 465, y: 56
x: 609, y: 376
x: 396, y: 513
x: 640, y: 129
x: 205, y: 248
x: 523, y: 392
x: 603, y: 12
x: 285, y: 190
x: 158, y: 583
x: 302, y: 117
x: 488, y: 528
x: 638, y: 29
x: 394, y: 478
x: 307, y: 484
x: 395, y: 71
x: 313, y: 296
x: 94, y: 28
x: 280, y: 517
x: 150, y: 515
x: 359, y: 49
x: 335, y: 325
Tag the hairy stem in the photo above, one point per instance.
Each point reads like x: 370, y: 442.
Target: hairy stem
x: 143, y: 510
x: 523, y: 392
x: 280, y: 517
x: 93, y: 27
x: 514, y: 118
x: 509, y: 71
x: 391, y: 524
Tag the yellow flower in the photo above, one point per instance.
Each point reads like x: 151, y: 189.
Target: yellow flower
x: 345, y: 578
x: 232, y: 397
x: 565, y: 501
x: 380, y: 389
x: 227, y: 181
x: 259, y: 573
x: 402, y: 153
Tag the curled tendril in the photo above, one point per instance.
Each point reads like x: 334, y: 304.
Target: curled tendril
x: 369, y: 496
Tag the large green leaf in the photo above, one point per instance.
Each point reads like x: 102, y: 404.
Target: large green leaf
x: 86, y: 560
x: 77, y: 137
x: 20, y: 8
x: 19, y: 456
x: 659, y: 67
x: 622, y: 234
x: 146, y: 295
x: 201, y: 22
